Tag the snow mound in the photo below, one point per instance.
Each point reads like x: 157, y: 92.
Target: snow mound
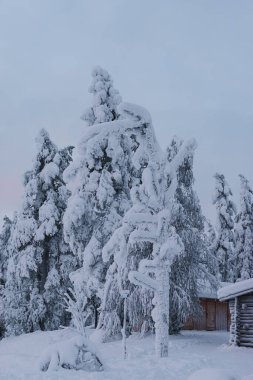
x: 212, y: 374
x: 76, y: 353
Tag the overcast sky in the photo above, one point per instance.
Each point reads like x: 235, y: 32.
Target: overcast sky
x: 190, y: 63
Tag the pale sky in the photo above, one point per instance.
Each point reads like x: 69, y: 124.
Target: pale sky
x: 190, y: 63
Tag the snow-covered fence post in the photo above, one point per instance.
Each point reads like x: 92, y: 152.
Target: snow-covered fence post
x: 167, y: 245
x: 124, y: 294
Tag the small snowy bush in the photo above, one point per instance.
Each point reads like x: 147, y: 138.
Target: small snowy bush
x: 75, y: 353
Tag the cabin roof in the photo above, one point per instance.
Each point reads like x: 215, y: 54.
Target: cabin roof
x: 234, y: 290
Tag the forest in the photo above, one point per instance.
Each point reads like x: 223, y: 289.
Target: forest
x: 109, y: 215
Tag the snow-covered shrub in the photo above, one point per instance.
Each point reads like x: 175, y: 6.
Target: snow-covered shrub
x: 75, y: 353
x: 76, y: 305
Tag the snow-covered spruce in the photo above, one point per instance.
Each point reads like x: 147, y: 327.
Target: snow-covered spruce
x: 4, y: 257
x: 210, y: 236
x: 244, y: 233
x: 4, y: 248
x: 105, y: 98
x: 100, y: 198
x: 40, y: 261
x: 98, y: 179
x: 225, y: 243
x: 197, y: 261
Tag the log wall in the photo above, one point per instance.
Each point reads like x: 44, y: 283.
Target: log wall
x: 241, y: 328
x: 246, y: 320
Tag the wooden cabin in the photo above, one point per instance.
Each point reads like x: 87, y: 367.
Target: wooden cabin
x: 240, y: 299
x: 215, y: 314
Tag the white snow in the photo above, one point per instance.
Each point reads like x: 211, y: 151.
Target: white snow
x: 188, y: 353
x: 236, y: 289
x: 212, y: 374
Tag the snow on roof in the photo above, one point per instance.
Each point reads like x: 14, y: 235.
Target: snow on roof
x: 206, y: 290
x: 237, y: 289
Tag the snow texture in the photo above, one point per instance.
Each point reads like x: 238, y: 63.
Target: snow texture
x: 188, y: 352
x: 212, y: 374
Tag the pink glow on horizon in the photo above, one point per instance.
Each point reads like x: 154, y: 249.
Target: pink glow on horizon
x: 11, y: 190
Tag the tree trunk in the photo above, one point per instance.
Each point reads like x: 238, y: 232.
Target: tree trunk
x: 162, y: 312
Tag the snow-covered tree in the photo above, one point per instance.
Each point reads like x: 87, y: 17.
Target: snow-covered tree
x: 225, y: 242
x: 126, y: 257
x: 244, y: 233
x: 4, y: 257
x: 105, y: 99
x: 99, y: 179
x: 165, y: 180
x: 210, y: 258
x: 189, y: 224
x: 4, y: 248
x: 37, y: 275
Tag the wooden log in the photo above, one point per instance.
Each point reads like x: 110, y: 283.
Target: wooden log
x: 247, y: 345
x: 247, y: 316
x: 247, y: 329
x: 245, y: 333
x: 234, y: 306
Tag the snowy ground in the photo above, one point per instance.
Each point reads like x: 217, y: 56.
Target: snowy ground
x: 188, y: 353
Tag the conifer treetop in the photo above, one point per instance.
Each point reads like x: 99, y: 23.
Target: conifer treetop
x: 105, y: 99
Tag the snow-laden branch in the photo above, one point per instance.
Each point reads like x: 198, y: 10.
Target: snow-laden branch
x: 147, y: 266
x: 187, y: 149
x: 141, y: 279
x: 141, y: 236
